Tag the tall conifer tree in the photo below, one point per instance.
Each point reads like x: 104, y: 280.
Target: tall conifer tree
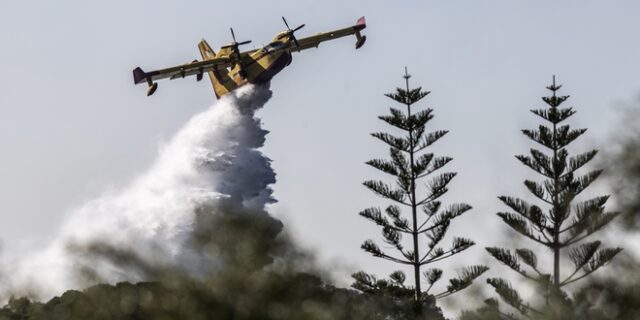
x: 425, y: 221
x: 566, y: 222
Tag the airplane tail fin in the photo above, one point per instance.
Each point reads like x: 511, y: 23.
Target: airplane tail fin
x: 205, y: 50
x: 139, y: 76
x: 220, y: 80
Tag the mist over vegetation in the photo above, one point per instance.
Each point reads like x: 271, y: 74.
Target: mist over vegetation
x: 264, y: 276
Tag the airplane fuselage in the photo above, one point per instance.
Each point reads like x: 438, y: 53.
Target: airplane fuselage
x: 263, y: 65
x: 259, y: 67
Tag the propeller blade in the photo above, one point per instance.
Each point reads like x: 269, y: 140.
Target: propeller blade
x: 298, y: 28
x: 244, y: 42
x: 285, y: 23
x: 297, y: 43
x: 233, y: 35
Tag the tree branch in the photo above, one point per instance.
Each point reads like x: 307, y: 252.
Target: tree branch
x: 451, y: 253
x: 565, y: 282
x: 390, y: 258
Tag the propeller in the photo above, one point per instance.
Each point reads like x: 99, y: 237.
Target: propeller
x: 291, y: 32
x: 236, y: 44
x: 235, y: 55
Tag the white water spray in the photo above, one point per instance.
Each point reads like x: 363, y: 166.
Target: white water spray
x: 212, y: 161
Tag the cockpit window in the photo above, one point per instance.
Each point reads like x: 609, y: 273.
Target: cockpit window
x: 273, y: 46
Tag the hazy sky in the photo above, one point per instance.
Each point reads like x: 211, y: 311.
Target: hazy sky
x: 73, y: 125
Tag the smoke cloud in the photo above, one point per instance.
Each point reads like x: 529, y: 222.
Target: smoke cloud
x: 212, y: 163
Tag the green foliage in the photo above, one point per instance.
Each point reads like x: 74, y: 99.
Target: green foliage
x: 506, y: 257
x: 508, y: 294
x: 402, y: 296
x: 563, y: 225
x: 464, y: 279
x: 299, y: 296
x: 386, y: 191
x: 408, y: 164
x: 528, y: 257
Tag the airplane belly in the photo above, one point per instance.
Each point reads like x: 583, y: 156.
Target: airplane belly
x: 271, y: 65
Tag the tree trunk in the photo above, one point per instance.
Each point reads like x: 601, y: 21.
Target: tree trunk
x: 556, y: 262
x: 558, y: 222
x: 414, y: 213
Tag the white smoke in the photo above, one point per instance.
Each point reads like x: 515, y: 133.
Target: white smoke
x: 212, y: 161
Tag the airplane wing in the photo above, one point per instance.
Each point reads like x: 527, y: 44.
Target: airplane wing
x: 314, y: 41
x: 181, y: 71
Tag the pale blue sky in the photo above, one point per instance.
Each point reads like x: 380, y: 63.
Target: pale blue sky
x: 72, y: 124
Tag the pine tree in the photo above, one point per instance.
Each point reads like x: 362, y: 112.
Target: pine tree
x: 427, y: 218
x: 564, y: 225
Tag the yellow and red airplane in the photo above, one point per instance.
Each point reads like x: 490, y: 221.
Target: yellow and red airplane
x: 230, y: 69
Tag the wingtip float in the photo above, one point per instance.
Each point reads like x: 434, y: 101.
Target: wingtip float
x: 230, y: 69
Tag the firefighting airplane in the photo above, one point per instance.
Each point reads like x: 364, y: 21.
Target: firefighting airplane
x: 230, y: 69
